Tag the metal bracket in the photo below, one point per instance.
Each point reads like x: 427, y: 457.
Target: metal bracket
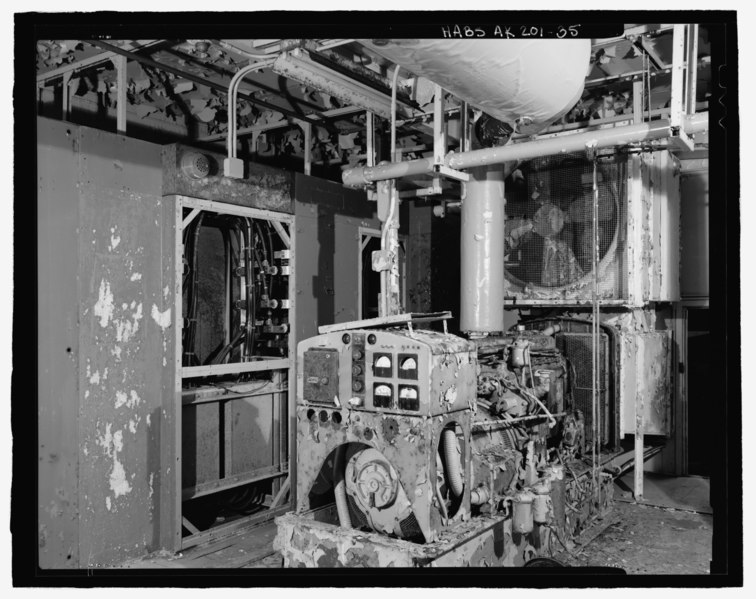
x: 434, y: 190
x: 281, y: 233
x: 451, y: 173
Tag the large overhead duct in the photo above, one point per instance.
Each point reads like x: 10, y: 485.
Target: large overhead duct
x: 526, y: 83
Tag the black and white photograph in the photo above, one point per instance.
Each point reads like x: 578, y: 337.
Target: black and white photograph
x: 375, y: 298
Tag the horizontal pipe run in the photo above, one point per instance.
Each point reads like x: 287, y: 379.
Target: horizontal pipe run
x: 395, y: 170
x: 603, y: 138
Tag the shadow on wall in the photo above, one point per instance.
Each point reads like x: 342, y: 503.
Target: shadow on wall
x: 445, y: 271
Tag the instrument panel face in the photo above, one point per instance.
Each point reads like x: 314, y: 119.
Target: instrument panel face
x: 384, y: 371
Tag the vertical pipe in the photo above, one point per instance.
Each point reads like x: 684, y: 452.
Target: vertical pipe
x: 307, y: 148
x: 370, y: 142
x: 439, y: 132
x: 691, y: 71
x: 482, y: 252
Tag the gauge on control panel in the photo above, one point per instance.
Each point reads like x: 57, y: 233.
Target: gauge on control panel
x: 383, y: 395
x: 382, y: 365
x: 408, y: 366
x: 409, y: 398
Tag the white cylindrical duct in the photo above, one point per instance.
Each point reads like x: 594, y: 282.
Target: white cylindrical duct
x: 532, y: 82
x: 482, y: 252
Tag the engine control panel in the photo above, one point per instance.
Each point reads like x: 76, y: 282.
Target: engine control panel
x: 413, y: 372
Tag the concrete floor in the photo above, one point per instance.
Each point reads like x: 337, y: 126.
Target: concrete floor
x: 670, y: 532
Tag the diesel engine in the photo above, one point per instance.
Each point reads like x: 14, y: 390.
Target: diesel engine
x: 415, y: 433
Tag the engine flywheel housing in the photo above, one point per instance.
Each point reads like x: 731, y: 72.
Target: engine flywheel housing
x: 374, y: 485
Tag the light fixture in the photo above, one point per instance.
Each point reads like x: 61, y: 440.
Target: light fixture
x: 298, y: 65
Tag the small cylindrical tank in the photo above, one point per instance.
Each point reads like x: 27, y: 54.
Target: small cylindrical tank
x: 522, y: 512
x: 542, y: 502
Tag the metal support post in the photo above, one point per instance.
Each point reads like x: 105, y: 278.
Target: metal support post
x: 370, y: 127
x: 691, y: 70
x: 307, y: 128
x: 439, y: 132
x: 679, y: 95
x: 66, y: 96
x: 122, y: 82
x: 639, y: 428
x: 637, y: 102
x: 393, y: 296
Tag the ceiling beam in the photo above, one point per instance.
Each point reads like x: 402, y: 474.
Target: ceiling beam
x: 330, y: 114
x: 198, y: 80
x: 89, y: 62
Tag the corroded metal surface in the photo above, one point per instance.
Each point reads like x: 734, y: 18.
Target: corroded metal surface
x: 308, y: 543
x: 642, y: 263
x: 263, y: 186
x: 125, y: 374
x: 444, y: 377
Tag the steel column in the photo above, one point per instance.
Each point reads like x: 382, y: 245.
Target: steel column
x: 482, y: 252
x: 122, y: 83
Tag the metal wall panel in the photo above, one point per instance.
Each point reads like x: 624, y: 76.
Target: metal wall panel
x: 111, y: 408
x: 58, y: 345
x: 645, y: 380
x: 694, y: 191
x: 328, y: 218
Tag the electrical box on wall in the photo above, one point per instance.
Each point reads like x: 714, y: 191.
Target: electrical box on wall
x: 548, y: 257
x: 645, y: 385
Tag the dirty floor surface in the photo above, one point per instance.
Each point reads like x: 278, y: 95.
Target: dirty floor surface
x: 670, y: 534
x: 647, y: 539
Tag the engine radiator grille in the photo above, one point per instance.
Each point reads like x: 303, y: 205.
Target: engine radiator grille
x: 578, y: 349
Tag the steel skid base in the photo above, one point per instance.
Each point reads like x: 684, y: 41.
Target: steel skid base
x: 306, y: 541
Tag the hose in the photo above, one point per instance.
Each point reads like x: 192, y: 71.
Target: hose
x: 452, y: 461
x: 339, y: 488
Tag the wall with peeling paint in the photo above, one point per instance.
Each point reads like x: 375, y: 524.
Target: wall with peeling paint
x: 58, y: 350
x: 106, y: 272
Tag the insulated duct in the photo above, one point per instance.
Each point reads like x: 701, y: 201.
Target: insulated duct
x: 525, y: 83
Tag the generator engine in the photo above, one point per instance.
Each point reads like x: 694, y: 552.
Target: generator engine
x: 410, y: 432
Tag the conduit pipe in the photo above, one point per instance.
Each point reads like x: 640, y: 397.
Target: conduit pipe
x: 339, y: 487
x: 232, y: 91
x: 603, y: 138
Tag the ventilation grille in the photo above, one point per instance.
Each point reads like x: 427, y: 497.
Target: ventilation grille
x: 550, y: 227
x: 578, y: 349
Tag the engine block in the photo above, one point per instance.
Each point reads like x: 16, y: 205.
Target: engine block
x: 411, y: 433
